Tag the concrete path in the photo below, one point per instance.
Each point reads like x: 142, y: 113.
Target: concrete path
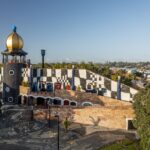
x: 94, y: 141
x: 91, y: 141
x: 12, y: 147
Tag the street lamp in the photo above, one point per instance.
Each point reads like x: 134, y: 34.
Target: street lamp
x: 49, y: 115
x: 119, y: 88
x: 43, y: 54
x: 49, y: 111
x: 57, y: 132
x: 73, y: 78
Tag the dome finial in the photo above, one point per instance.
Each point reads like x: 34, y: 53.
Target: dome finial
x: 14, y: 28
x: 14, y: 41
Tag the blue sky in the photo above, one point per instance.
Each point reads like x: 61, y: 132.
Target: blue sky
x: 79, y: 30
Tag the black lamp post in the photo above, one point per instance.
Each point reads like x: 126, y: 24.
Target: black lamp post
x: 49, y: 112
x: 57, y: 131
x: 119, y: 88
x: 73, y: 78
x: 43, y: 54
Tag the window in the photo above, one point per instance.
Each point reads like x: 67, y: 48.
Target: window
x: 87, y: 104
x: 7, y: 89
x: 10, y: 99
x: 129, y: 124
x: 73, y: 104
x: 11, y: 72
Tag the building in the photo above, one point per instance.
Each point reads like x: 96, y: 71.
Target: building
x: 16, y: 72
x: 20, y: 83
x: 14, y: 59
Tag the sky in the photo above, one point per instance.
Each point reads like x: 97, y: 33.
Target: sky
x: 79, y: 30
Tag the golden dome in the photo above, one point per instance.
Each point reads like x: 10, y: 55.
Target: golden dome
x: 14, y: 41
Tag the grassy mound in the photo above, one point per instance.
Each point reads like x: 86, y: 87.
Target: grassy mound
x: 123, y: 145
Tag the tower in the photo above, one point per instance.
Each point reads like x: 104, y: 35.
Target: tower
x: 14, y: 59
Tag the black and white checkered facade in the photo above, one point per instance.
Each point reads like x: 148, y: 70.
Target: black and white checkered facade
x: 83, y: 78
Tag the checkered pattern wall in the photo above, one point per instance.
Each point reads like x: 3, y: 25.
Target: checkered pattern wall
x: 84, y: 79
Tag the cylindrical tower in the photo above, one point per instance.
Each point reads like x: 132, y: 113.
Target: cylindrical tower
x: 14, y: 59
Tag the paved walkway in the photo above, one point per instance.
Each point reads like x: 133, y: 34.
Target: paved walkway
x: 43, y: 140
x: 12, y: 147
x: 97, y: 140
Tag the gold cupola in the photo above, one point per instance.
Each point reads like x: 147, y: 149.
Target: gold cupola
x: 14, y: 42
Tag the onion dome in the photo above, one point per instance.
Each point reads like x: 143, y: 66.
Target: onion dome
x: 14, y: 42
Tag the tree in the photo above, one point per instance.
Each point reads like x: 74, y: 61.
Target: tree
x: 142, y: 116
x: 105, y: 71
x: 67, y: 123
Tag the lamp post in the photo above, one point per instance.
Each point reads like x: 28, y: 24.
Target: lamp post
x: 43, y: 54
x: 49, y: 112
x: 119, y: 88
x: 57, y: 131
x: 73, y: 76
x: 49, y: 115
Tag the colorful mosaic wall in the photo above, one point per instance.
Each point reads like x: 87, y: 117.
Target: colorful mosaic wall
x: 83, y: 80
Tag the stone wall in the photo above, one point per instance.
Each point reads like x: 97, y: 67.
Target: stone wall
x: 110, y: 113
x: 105, y: 116
x: 110, y: 117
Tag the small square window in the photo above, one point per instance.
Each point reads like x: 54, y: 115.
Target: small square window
x: 11, y: 72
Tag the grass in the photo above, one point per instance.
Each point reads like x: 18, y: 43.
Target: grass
x: 122, y: 145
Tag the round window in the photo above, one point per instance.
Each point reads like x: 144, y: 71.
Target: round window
x: 7, y: 89
x: 11, y: 72
x: 10, y: 99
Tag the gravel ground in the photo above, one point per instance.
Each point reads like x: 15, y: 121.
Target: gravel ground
x: 12, y: 147
x: 16, y: 133
x: 46, y: 139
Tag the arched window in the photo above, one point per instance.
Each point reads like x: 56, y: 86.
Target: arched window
x: 68, y: 87
x: 50, y: 101
x: 57, y: 86
x: 42, y: 86
x: 87, y: 104
x: 10, y: 99
x: 57, y: 101
x: 66, y: 102
x: 25, y: 100
x: 40, y: 101
x: 49, y: 87
x: 31, y: 100
x: 73, y: 103
x: 34, y: 87
x: 19, y: 99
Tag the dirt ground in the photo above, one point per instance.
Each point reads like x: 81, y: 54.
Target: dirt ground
x: 17, y: 133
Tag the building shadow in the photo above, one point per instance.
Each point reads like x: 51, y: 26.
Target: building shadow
x: 95, y: 122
